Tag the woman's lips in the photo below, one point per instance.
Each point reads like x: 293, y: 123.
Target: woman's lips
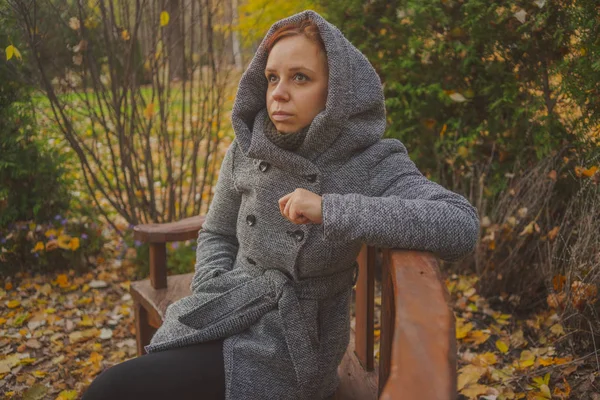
x: 281, y: 117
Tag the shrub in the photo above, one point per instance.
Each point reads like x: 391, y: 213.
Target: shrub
x: 181, y: 256
x: 473, y: 85
x: 34, y: 180
x: 64, y: 241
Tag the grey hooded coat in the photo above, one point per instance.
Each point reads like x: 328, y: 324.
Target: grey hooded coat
x: 279, y: 293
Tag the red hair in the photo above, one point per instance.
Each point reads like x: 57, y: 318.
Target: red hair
x: 306, y: 27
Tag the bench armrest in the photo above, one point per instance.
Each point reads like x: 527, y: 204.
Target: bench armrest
x: 178, y: 231
x: 158, y: 235
x: 421, y: 342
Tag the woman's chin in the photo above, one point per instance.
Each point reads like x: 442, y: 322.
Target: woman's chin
x: 284, y: 128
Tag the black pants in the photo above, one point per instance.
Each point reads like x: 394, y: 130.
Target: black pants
x: 193, y: 372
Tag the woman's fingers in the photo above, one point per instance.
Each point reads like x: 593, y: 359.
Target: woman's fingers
x: 283, y: 201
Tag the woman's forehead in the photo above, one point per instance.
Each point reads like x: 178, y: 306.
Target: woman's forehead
x: 295, y: 52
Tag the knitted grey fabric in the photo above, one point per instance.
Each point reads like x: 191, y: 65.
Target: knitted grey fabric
x: 288, y: 141
x: 279, y: 293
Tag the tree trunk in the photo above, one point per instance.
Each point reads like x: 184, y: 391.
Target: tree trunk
x: 175, y: 40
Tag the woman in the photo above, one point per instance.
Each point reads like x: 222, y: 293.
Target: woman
x: 307, y: 180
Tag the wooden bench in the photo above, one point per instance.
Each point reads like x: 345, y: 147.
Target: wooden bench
x: 418, y: 342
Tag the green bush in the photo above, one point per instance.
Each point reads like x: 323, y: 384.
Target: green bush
x: 181, y: 256
x: 34, y: 184
x: 64, y: 241
x: 477, y: 85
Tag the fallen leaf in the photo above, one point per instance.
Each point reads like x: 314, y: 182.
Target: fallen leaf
x: 521, y: 15
x: 468, y: 375
x: 502, y: 346
x: 458, y: 97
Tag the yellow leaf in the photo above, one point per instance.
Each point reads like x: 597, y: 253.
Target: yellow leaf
x: 39, y: 374
x: 13, y: 304
x: 477, y: 337
x: 462, y: 330
x: 63, y: 242
x: 86, y: 321
x: 545, y: 361
x: 51, y: 232
x: 468, y: 375
x: 527, y: 359
x: 67, y: 395
x: 463, y: 152
x: 557, y: 329
x: 443, y: 131
x: 12, y: 51
x: 589, y: 172
x: 563, y: 393
x: 74, y: 244
x: 149, y: 111
x: 96, y: 357
x: 564, y: 360
x: 545, y: 392
x: 125, y: 35
x: 502, y: 346
x: 485, y: 359
x: 552, y: 234
x: 164, y: 18
x: 528, y: 230
x: 38, y: 246
x: 27, y: 361
x: 62, y: 280
x: 474, y: 391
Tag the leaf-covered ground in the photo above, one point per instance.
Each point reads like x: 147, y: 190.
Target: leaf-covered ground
x: 59, y: 331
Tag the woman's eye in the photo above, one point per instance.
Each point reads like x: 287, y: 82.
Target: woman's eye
x: 269, y: 78
x: 305, y: 78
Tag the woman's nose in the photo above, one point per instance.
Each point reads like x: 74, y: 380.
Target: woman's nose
x: 280, y: 93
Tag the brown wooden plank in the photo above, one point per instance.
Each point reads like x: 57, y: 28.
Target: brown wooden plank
x: 185, y: 229
x: 365, y: 307
x: 423, y: 352
x: 143, y: 330
x: 158, y: 265
x: 388, y: 318
x: 355, y: 382
x: 156, y: 301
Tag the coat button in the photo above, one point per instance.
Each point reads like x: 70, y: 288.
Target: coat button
x: 311, y: 178
x: 263, y: 166
x: 251, y: 261
x: 250, y: 219
x: 299, y: 235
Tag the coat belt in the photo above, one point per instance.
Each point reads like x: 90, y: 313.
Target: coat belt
x: 239, y: 308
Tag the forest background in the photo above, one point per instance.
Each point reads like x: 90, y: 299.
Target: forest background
x: 116, y: 113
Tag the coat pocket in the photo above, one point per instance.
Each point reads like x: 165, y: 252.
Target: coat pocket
x: 310, y: 313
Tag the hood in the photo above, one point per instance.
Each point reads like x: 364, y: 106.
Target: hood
x: 354, y: 114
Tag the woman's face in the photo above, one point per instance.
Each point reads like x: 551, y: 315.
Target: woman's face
x: 297, y: 76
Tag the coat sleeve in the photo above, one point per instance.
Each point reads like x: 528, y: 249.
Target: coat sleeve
x: 408, y: 212
x: 217, y: 243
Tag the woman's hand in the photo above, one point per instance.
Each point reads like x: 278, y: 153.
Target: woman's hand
x: 301, y: 207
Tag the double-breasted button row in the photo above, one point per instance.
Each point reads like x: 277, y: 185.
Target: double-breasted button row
x: 311, y: 178
x: 263, y: 166
x: 297, y: 234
